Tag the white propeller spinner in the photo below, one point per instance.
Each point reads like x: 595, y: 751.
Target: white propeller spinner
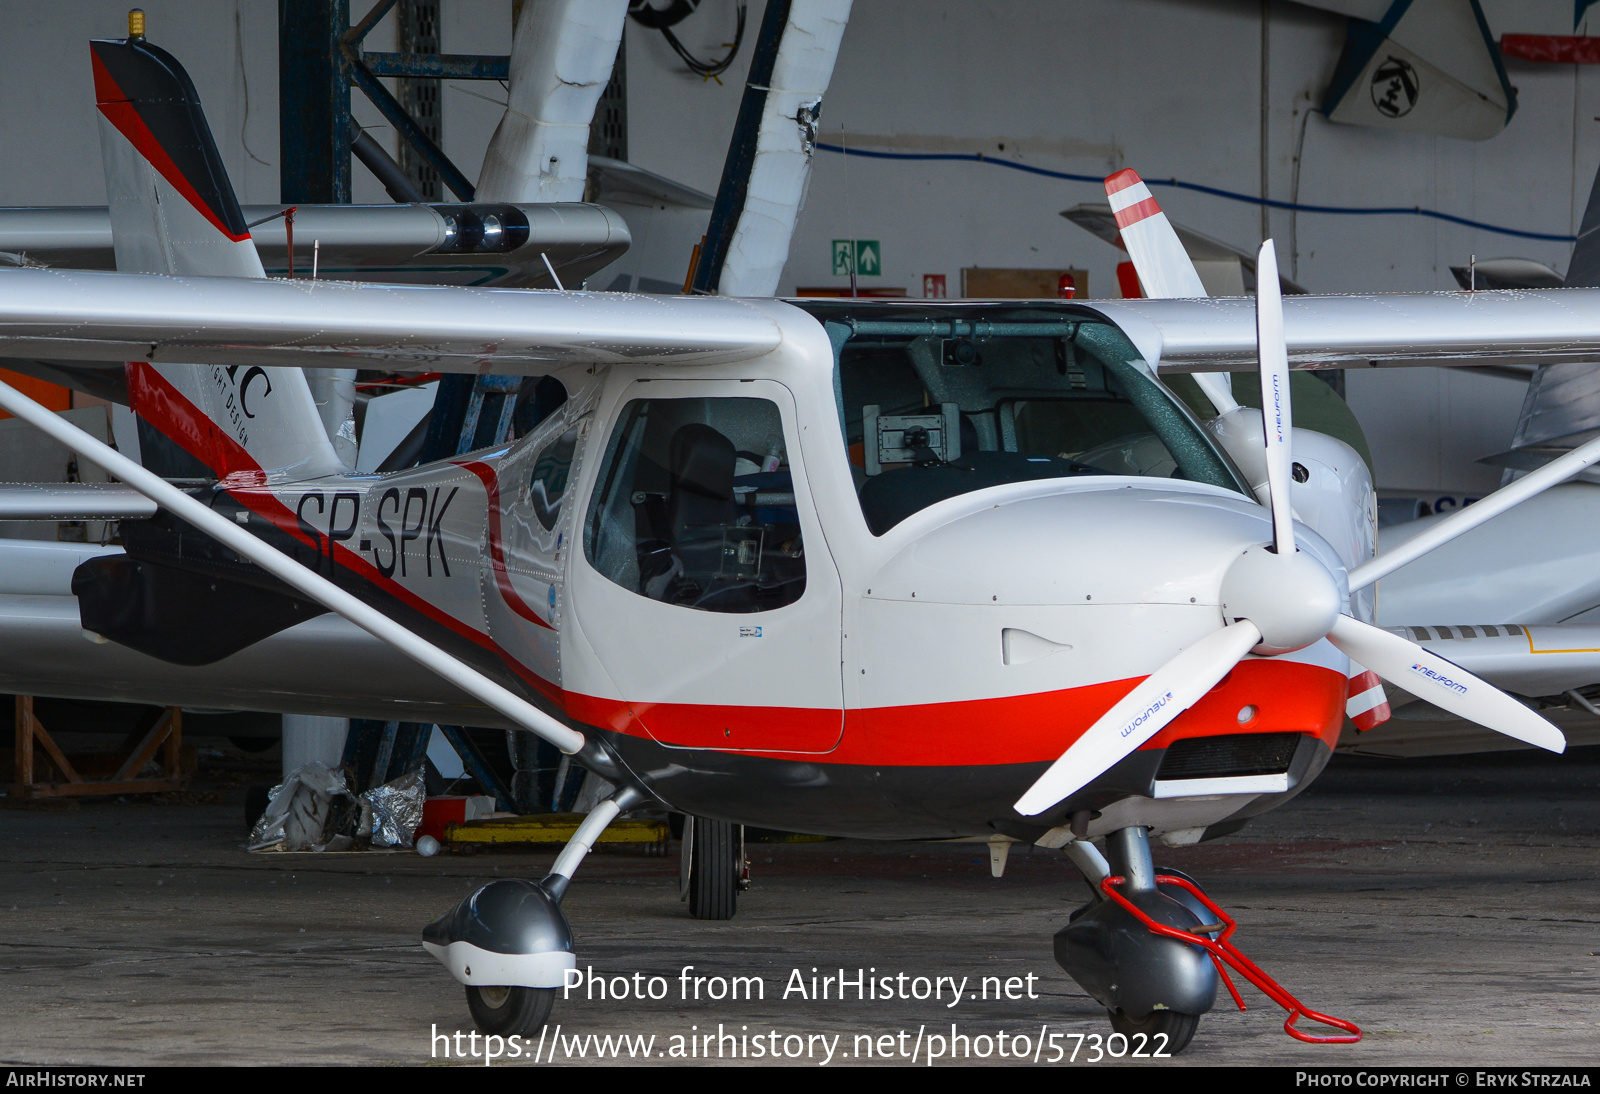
x: 1276, y: 598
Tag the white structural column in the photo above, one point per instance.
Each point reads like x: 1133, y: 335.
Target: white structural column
x: 334, y: 392
x: 309, y: 738
x: 782, y: 167
x: 561, y: 57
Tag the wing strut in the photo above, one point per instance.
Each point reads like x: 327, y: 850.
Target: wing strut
x: 280, y: 565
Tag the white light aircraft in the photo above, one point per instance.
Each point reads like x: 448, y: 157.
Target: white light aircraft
x: 919, y: 570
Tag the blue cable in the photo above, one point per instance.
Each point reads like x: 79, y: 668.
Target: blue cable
x: 1394, y: 210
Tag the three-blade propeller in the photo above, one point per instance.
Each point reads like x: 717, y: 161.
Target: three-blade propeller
x: 1276, y: 599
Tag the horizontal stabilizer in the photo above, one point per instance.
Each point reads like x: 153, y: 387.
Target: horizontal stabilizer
x: 1225, y: 270
x: 180, y: 615
x: 73, y: 501
x: 443, y: 244
x: 323, y: 666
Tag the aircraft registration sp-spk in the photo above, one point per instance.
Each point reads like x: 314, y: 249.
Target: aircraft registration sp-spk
x: 896, y: 570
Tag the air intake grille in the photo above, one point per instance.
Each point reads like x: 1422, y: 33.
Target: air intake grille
x: 1235, y: 754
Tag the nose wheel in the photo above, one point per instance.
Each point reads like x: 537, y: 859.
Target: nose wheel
x: 1177, y: 1029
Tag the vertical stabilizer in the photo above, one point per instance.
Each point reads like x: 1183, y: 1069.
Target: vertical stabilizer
x: 1583, y: 272
x: 1562, y: 407
x: 1164, y: 268
x: 173, y: 211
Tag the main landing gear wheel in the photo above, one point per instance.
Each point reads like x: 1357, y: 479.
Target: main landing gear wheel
x: 514, y: 929
x: 1178, y: 1028
x: 507, y: 1011
x: 714, y: 870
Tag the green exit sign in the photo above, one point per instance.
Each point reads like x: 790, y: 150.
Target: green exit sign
x: 864, y: 256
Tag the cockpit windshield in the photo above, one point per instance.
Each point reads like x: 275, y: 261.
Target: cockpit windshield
x: 939, y: 401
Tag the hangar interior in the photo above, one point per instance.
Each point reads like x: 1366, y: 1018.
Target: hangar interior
x: 953, y: 151
x: 1082, y: 88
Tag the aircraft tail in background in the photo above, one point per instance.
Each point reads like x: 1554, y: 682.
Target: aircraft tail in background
x: 1165, y: 270
x: 173, y: 211
x: 1583, y: 271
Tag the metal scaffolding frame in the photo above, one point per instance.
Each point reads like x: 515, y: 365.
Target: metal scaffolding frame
x: 320, y: 58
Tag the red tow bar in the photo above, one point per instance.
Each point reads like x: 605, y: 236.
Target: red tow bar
x: 1223, y: 952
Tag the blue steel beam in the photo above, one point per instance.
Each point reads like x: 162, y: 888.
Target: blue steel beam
x: 445, y: 66
x: 403, y: 123
x: 313, y: 103
x: 741, y: 151
x: 478, y: 767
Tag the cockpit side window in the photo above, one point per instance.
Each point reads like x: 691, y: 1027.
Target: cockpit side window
x: 696, y: 507
x: 939, y: 404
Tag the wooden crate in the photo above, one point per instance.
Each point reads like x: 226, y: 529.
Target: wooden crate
x: 27, y: 767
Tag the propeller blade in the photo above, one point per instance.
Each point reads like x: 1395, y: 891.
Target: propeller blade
x: 1465, y: 520
x: 1276, y: 416
x: 1442, y: 683
x: 1141, y: 714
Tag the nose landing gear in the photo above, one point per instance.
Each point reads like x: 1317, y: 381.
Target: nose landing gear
x: 1149, y: 984
x: 1151, y: 948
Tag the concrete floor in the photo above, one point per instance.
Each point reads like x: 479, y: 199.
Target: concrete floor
x: 1449, y: 907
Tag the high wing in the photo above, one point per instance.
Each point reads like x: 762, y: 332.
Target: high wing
x: 93, y: 316
x: 1530, y: 326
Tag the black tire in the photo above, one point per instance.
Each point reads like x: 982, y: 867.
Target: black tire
x: 256, y: 799
x: 714, y: 870
x: 507, y: 1011
x: 1178, y: 1028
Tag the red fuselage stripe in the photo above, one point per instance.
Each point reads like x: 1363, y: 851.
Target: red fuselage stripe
x: 1287, y: 697
x: 164, y: 406
x: 1036, y: 728
x: 491, y: 487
